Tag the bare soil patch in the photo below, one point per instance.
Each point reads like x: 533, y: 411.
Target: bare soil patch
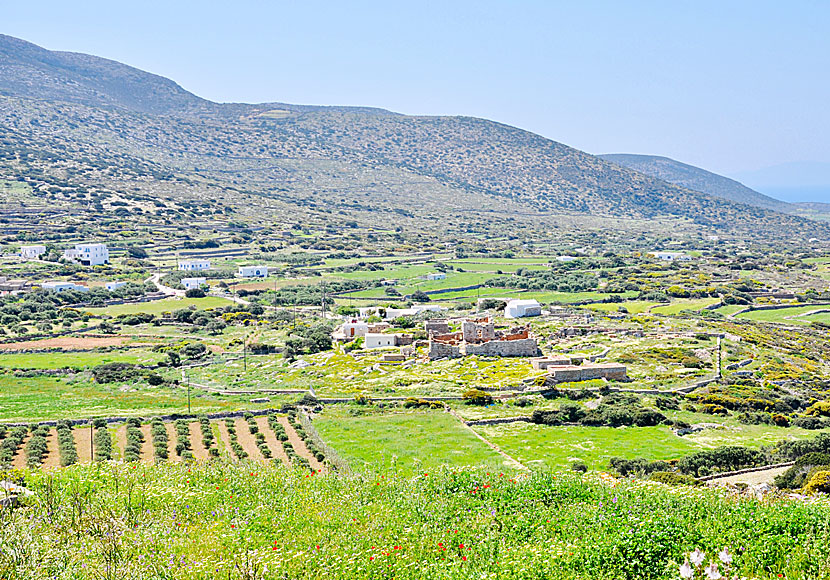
x: 19, y: 460
x: 199, y: 451
x: 172, y: 456
x: 247, y: 440
x: 271, y: 439
x: 67, y: 343
x: 53, y: 454
x: 763, y: 476
x: 299, y: 445
x: 83, y: 440
x: 147, y: 450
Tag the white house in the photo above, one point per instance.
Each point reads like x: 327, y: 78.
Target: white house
x: 115, y: 285
x: 253, y: 272
x: 89, y: 254
x: 191, y: 283
x: 566, y: 258
x: 373, y: 340
x: 522, y: 308
x: 436, y: 276
x: 671, y: 256
x: 194, y: 265
x: 32, y: 252
x: 354, y: 328
x: 63, y: 287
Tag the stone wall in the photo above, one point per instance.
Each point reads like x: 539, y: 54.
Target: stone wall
x: 572, y: 374
x: 522, y: 347
x: 443, y: 350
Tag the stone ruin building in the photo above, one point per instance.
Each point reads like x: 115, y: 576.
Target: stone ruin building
x: 480, y: 337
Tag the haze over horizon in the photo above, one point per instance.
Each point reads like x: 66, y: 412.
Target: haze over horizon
x: 735, y: 89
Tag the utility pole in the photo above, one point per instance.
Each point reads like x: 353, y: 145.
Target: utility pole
x: 294, y: 326
x: 323, y: 300
x: 91, y: 438
x: 245, y: 353
x: 187, y: 376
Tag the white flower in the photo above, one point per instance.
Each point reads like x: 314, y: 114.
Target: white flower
x: 697, y: 557
x: 725, y: 556
x: 712, y: 572
x: 686, y: 570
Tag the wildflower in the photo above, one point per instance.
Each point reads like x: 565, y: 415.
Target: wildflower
x: 686, y: 570
x: 712, y: 572
x: 725, y: 556
x: 697, y: 557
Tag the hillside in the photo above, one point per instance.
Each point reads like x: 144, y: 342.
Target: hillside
x: 696, y: 179
x: 92, y: 135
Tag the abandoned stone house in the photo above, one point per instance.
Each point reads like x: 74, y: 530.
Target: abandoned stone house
x: 437, y: 325
x: 480, y: 337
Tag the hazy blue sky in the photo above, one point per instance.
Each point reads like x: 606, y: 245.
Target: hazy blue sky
x: 731, y: 86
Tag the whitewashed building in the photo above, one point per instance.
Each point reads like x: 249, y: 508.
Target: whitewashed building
x: 191, y: 283
x: 63, y: 287
x: 436, y: 276
x: 373, y: 340
x: 522, y: 308
x: 89, y: 254
x: 32, y: 252
x: 114, y: 285
x: 672, y: 256
x: 194, y: 265
x: 252, y: 272
x: 354, y: 328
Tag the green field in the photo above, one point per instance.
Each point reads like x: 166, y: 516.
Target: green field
x: 159, y: 306
x: 76, y: 360
x: 633, y: 307
x: 784, y: 315
x: 404, y: 442
x: 681, y: 304
x: 540, y: 446
x: 46, y: 398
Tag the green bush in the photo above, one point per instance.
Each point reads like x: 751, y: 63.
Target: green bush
x: 674, y: 479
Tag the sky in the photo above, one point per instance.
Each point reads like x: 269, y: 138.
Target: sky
x: 737, y: 87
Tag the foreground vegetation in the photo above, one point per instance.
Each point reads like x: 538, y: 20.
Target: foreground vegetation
x: 247, y: 520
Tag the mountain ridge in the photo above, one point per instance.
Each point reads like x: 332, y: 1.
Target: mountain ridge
x: 316, y: 156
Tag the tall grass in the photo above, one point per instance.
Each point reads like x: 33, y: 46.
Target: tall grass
x: 249, y: 520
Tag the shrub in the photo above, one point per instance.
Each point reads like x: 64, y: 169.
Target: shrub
x: 160, y: 439
x: 66, y: 445
x: 36, y: 447
x: 579, y: 467
x: 674, y: 479
x: 810, y: 423
x: 647, y: 417
x: 796, y: 476
x: 132, y: 452
x: 103, y: 444
x: 819, y: 482
x: 477, y: 397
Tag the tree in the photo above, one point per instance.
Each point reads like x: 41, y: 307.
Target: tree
x: 175, y: 359
x: 420, y: 296
x: 195, y: 293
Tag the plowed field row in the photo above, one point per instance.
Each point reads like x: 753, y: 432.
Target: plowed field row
x: 193, y: 443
